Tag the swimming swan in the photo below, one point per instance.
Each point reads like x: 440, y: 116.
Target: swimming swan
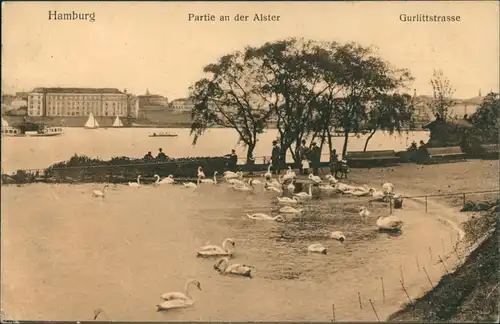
x: 223, y: 267
x: 304, y: 195
x: 167, y: 180
x: 212, y: 181
x: 315, y: 179
x: 338, y: 235
x: 388, y: 188
x: 214, y: 250
x: 317, y: 248
x: 230, y: 175
x: 262, y: 216
x: 174, y: 303
x: 290, y: 210
x: 377, y: 194
x: 268, y: 175
x: 179, y: 295
x: 135, y: 184
x: 326, y: 187
x: 331, y: 179
x: 286, y: 201
x: 99, y: 193
x: 389, y: 223
x: 192, y: 185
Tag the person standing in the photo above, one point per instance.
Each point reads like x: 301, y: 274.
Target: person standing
x: 303, y: 155
x: 275, y: 157
x: 315, y: 157
x: 161, y: 157
x: 334, y: 161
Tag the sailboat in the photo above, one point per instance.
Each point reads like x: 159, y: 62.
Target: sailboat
x: 117, y: 122
x: 91, y: 122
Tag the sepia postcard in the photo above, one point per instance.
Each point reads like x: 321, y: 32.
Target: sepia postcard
x: 266, y: 161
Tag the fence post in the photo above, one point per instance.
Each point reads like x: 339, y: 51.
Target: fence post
x: 426, y: 204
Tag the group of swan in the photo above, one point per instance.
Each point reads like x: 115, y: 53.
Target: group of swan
x: 172, y: 300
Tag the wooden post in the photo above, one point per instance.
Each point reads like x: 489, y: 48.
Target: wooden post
x: 359, y: 299
x: 406, y: 292
x: 426, y: 204
x: 444, y: 265
x: 333, y: 313
x: 429, y: 278
x: 383, y: 289
x: 373, y: 307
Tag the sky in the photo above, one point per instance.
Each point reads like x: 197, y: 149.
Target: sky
x: 152, y: 45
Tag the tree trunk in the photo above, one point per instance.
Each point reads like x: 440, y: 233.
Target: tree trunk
x: 250, y: 148
x: 330, y: 143
x: 368, y: 139
x: 321, y: 144
x: 346, y: 139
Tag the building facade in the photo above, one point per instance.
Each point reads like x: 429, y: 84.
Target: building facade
x: 182, y: 105
x: 77, y: 102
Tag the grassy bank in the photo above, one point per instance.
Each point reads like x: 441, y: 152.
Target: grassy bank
x: 471, y: 292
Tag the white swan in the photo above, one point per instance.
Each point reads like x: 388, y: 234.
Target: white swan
x: 304, y: 195
x: 174, y: 303
x: 344, y: 188
x: 287, y: 201
x: 338, y: 235
x: 275, y: 183
x: 179, y: 295
x: 290, y: 171
x: 389, y: 223
x: 239, y: 187
x: 100, y: 193
x: 291, y: 187
x: 254, y: 182
x: 331, y: 179
x: 268, y: 175
x: 212, y: 181
x: 167, y: 180
x: 326, y: 187
x: 364, y: 212
x: 201, y: 174
x: 262, y: 216
x: 191, y: 184
x: 230, y: 175
x: 290, y: 210
x: 316, y: 248
x: 359, y: 191
x: 214, y: 250
x: 157, y: 182
x: 388, y: 188
x: 315, y: 179
x: 223, y: 267
x: 377, y: 194
x: 272, y: 188
x: 135, y: 184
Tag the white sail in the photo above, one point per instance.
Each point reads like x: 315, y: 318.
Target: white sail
x: 117, y: 122
x: 4, y: 123
x: 91, y: 122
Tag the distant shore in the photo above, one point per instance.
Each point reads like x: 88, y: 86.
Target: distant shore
x: 177, y: 121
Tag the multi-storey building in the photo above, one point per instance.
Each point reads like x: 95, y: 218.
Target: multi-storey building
x: 182, y: 105
x: 77, y: 102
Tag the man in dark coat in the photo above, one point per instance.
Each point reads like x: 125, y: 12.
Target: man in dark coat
x: 315, y: 157
x: 275, y: 157
x: 303, y: 155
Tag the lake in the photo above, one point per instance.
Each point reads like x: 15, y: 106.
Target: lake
x: 66, y: 253
x: 40, y: 152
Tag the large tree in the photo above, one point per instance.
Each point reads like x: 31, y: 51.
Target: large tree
x: 392, y: 113
x: 229, y: 97
x: 486, y: 119
x: 443, y: 93
x: 290, y: 83
x: 359, y: 80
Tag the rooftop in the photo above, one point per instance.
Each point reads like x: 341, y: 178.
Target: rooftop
x: 77, y: 90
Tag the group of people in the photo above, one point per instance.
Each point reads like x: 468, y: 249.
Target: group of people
x: 161, y: 157
x: 308, y: 156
